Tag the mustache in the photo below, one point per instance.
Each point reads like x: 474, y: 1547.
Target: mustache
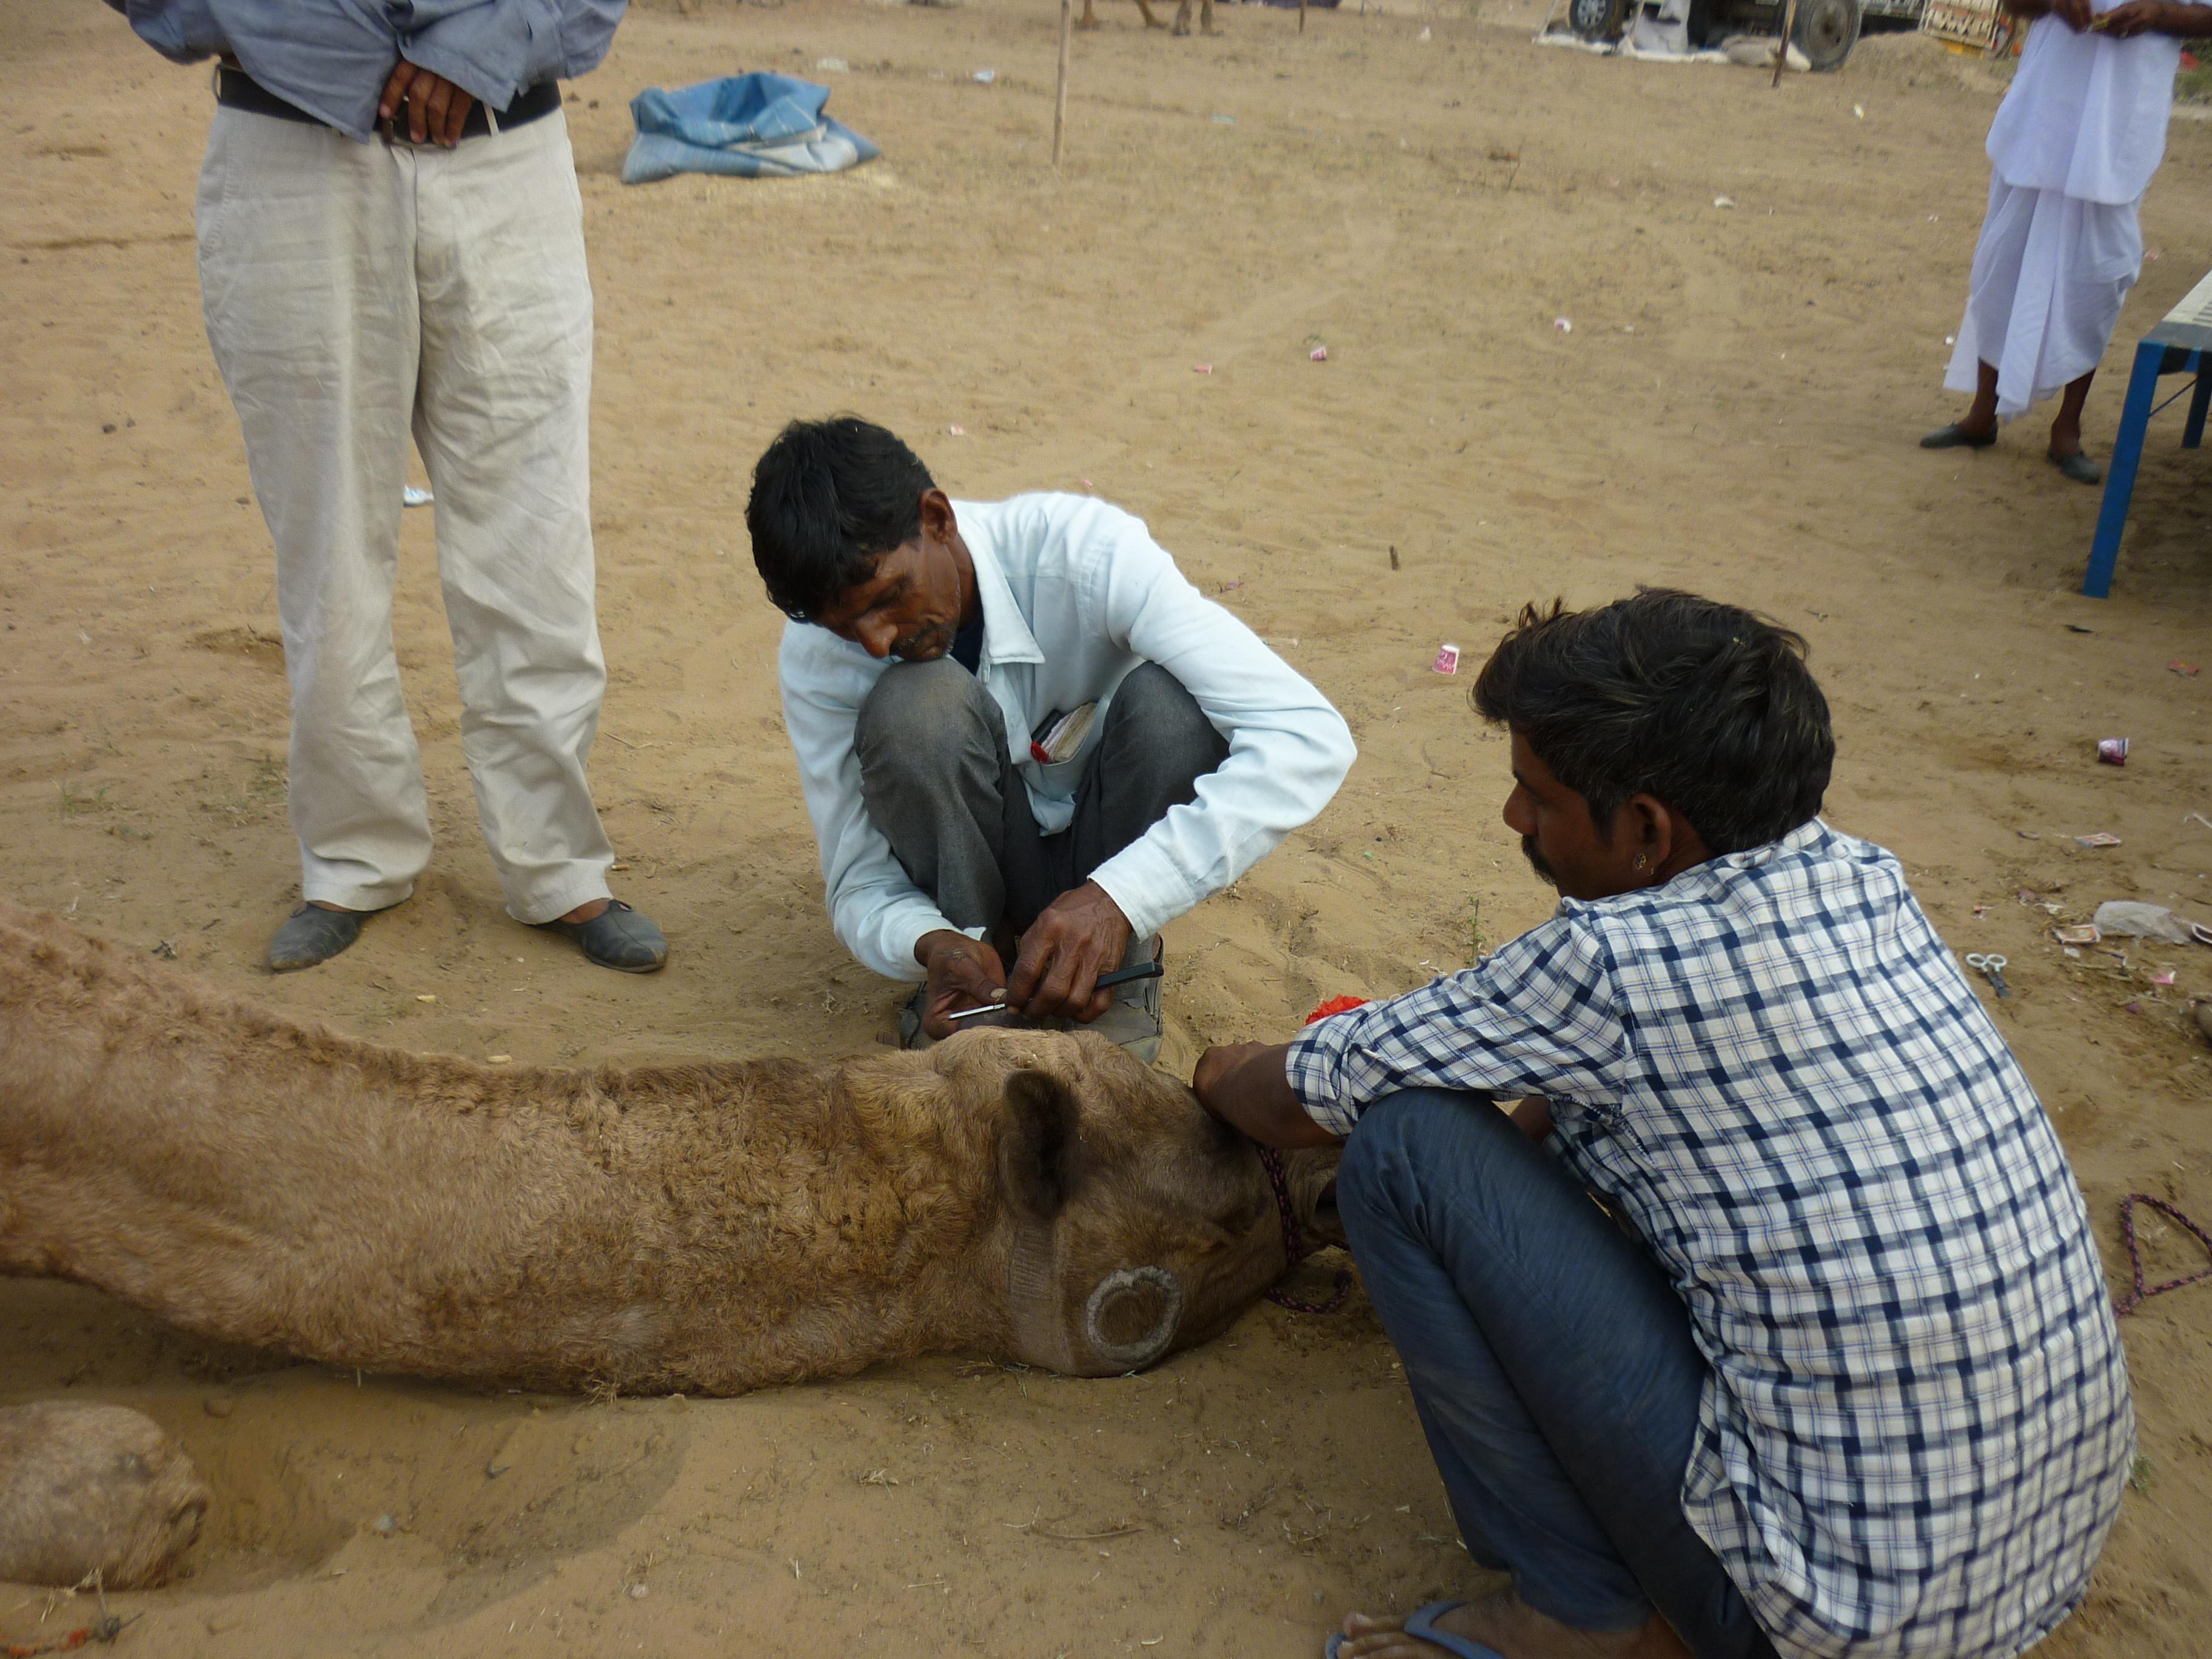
x: 1536, y: 860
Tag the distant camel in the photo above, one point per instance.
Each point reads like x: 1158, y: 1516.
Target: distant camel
x: 1089, y: 19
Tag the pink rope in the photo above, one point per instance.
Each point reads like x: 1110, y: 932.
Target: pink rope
x: 2135, y: 1297
x: 1295, y: 1248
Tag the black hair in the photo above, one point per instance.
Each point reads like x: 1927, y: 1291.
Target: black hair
x: 828, y: 498
x: 1705, y: 706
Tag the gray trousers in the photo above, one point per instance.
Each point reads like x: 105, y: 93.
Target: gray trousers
x: 939, y: 780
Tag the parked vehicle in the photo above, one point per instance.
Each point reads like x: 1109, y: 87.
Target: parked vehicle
x: 1825, y: 31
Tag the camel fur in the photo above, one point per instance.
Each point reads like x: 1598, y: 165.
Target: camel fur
x: 700, y: 1227
x: 92, y: 1493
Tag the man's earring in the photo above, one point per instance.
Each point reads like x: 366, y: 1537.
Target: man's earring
x: 1640, y: 861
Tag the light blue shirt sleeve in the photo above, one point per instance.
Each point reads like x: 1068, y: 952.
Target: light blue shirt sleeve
x: 1289, y: 749
x: 875, y: 909
x: 182, y: 31
x: 497, y: 48
x: 331, y: 58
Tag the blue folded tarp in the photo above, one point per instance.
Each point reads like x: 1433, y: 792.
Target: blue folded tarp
x: 755, y: 125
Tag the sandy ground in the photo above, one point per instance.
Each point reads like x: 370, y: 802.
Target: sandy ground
x: 1734, y: 410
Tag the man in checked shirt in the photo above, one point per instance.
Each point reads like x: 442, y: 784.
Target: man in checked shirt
x: 1838, y: 1375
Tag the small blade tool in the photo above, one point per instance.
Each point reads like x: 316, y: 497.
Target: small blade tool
x: 1152, y: 969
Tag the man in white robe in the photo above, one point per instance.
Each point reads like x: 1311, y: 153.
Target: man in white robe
x: 2071, y: 152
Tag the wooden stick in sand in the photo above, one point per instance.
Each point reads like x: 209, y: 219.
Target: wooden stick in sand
x: 1060, y: 96
x: 1782, y: 46
x: 1302, y: 16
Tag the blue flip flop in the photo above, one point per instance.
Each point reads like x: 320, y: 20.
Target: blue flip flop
x: 1422, y: 1624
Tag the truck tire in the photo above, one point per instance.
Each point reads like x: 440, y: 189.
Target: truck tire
x: 1827, y: 31
x: 1596, y: 20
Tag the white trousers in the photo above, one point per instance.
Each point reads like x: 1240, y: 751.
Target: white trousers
x: 354, y: 292
x: 2051, y: 273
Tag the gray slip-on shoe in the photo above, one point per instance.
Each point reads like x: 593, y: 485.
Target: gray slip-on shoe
x: 311, y: 935
x: 617, y: 937
x: 1954, y: 436
x: 2077, y: 466
x: 910, y: 1034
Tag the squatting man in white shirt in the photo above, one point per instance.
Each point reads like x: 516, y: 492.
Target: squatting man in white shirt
x: 1022, y: 733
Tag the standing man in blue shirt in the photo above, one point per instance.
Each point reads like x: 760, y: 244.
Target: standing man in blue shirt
x: 390, y: 240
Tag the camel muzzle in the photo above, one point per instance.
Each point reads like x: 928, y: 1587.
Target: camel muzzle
x: 1129, y: 1320
x: 1130, y: 1291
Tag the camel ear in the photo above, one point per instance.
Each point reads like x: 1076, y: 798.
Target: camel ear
x: 1041, y: 1154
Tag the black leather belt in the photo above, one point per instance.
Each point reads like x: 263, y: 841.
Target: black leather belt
x: 239, y: 90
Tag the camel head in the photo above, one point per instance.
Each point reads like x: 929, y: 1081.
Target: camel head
x: 1136, y: 1223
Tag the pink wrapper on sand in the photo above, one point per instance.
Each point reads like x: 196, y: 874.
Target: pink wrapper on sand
x: 1447, y: 661
x: 2113, y: 751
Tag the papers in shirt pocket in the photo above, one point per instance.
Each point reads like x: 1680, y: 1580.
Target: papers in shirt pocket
x: 1060, y: 736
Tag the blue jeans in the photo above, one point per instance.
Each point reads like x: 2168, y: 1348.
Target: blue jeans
x: 1552, y: 1365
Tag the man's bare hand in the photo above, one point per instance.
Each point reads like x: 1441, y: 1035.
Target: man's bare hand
x: 1245, y: 1085
x: 2125, y: 22
x: 1533, y: 1118
x: 1080, y: 935
x: 960, y: 973
x: 2074, y: 13
x: 1217, y: 1063
x: 435, y: 106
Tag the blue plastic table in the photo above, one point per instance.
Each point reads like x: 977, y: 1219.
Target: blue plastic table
x: 2179, y: 346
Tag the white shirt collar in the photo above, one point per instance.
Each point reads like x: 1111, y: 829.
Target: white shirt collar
x: 1006, y: 636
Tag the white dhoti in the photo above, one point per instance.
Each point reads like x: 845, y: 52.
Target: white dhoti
x: 355, y: 292
x: 2051, y: 273
x: 2072, y: 149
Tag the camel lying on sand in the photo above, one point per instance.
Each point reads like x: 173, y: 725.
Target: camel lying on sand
x: 696, y: 1228
x: 1089, y: 19
x: 701, y: 1228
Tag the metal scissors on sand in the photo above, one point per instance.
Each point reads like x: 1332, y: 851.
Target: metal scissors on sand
x: 1994, y: 967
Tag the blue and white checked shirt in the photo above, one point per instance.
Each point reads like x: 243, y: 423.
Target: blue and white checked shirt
x: 1917, y: 1427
